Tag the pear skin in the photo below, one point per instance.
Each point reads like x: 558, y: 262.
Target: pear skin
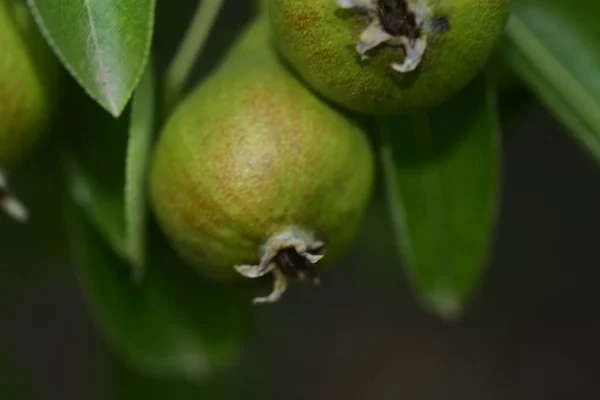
x: 253, y: 174
x: 320, y: 40
x: 28, y: 78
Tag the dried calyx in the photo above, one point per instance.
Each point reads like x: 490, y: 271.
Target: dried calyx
x: 9, y: 203
x: 397, y: 23
x: 290, y: 256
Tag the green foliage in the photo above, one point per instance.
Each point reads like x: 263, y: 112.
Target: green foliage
x: 141, y: 133
x: 554, y: 46
x: 440, y: 169
x: 175, y: 324
x: 442, y: 173
x: 103, y: 43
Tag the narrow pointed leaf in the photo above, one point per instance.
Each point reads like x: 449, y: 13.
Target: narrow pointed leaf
x: 554, y: 45
x: 94, y: 166
x: 104, y: 207
x: 103, y: 43
x: 106, y: 171
x: 141, y: 130
x: 442, y: 176
x: 174, y: 325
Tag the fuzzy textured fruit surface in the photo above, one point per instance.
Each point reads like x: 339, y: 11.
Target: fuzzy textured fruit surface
x: 387, y: 56
x: 254, y: 175
x: 28, y: 74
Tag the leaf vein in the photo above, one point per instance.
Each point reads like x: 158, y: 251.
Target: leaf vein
x: 103, y: 71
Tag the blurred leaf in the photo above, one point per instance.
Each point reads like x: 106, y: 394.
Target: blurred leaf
x: 105, y: 163
x: 103, y: 207
x: 141, y: 131
x: 178, y: 73
x: 514, y: 98
x: 103, y: 43
x: 175, y: 324
x: 94, y: 158
x: 129, y: 384
x: 442, y: 173
x: 554, y: 45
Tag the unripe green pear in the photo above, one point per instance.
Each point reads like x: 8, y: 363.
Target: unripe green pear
x: 387, y: 56
x: 254, y: 175
x: 28, y: 74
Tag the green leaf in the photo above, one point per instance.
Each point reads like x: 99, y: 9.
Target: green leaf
x: 129, y: 384
x: 554, y: 45
x: 141, y: 132
x: 102, y: 204
x: 103, y: 43
x: 178, y: 73
x: 175, y: 324
x: 105, y: 163
x: 441, y: 169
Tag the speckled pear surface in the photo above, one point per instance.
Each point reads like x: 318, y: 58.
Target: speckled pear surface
x: 318, y: 38
x: 251, y: 152
x: 28, y: 74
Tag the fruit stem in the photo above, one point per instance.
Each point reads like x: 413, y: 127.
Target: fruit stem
x: 192, y: 44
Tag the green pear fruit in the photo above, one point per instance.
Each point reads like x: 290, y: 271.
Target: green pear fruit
x: 28, y: 77
x: 386, y: 57
x: 254, y: 175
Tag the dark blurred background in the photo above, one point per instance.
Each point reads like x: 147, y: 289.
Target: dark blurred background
x: 530, y: 332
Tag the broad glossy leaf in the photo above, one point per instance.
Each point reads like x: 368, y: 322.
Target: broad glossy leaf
x: 554, y: 45
x: 141, y: 130
x: 442, y: 177
x: 173, y: 325
x: 103, y: 43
